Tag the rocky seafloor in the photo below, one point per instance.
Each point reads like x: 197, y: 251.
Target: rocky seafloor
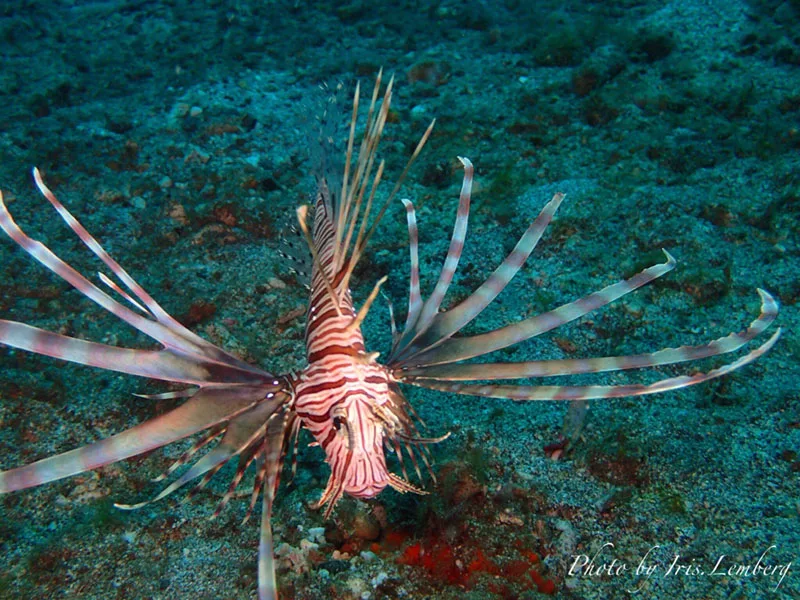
x: 179, y: 134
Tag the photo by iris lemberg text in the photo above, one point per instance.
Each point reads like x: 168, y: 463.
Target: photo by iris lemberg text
x: 603, y: 563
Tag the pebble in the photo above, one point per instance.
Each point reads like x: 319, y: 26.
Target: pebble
x: 306, y: 545
x: 277, y: 284
x: 419, y: 112
x: 357, y: 586
x: 315, y: 534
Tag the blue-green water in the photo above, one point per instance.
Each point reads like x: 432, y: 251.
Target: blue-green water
x: 179, y: 133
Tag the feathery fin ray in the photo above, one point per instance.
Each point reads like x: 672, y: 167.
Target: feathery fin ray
x: 426, y: 354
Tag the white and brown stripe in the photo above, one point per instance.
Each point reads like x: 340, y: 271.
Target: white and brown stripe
x: 342, y: 396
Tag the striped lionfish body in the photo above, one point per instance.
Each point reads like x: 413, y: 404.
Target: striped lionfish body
x: 350, y: 403
x: 344, y: 398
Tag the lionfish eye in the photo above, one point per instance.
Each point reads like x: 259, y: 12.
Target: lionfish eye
x: 337, y: 422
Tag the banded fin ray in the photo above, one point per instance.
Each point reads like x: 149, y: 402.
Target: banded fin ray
x: 430, y: 307
x: 456, y: 349
x: 168, y: 365
x: 276, y: 438
x: 578, y: 366
x: 209, y: 406
x: 167, y: 331
x: 232, y: 398
x: 152, y: 307
x: 590, y: 392
x: 427, y: 354
x: 238, y: 435
x: 445, y: 324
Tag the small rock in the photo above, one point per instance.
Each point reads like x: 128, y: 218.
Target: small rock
x: 365, y: 525
x: 357, y: 586
x: 316, y: 534
x: 306, y: 545
x: 277, y: 284
x: 419, y: 112
x: 334, y: 566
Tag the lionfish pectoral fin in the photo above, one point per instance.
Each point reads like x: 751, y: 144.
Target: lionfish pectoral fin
x: 457, y: 349
x: 240, y: 433
x: 404, y: 486
x: 445, y: 324
x: 208, y: 407
x: 156, y: 323
x: 429, y: 309
x: 565, y: 392
x: 187, y: 393
x: 267, y: 586
x: 111, y: 284
x: 166, y: 365
x: 557, y: 367
x: 151, y: 307
x: 275, y: 440
x: 414, y: 294
x: 226, y: 385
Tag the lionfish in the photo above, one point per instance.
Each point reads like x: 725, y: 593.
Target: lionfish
x: 351, y: 404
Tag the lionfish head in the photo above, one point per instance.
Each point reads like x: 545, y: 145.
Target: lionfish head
x: 356, y: 437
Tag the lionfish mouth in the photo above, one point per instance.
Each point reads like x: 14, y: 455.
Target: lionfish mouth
x: 360, y: 473
x: 398, y: 417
